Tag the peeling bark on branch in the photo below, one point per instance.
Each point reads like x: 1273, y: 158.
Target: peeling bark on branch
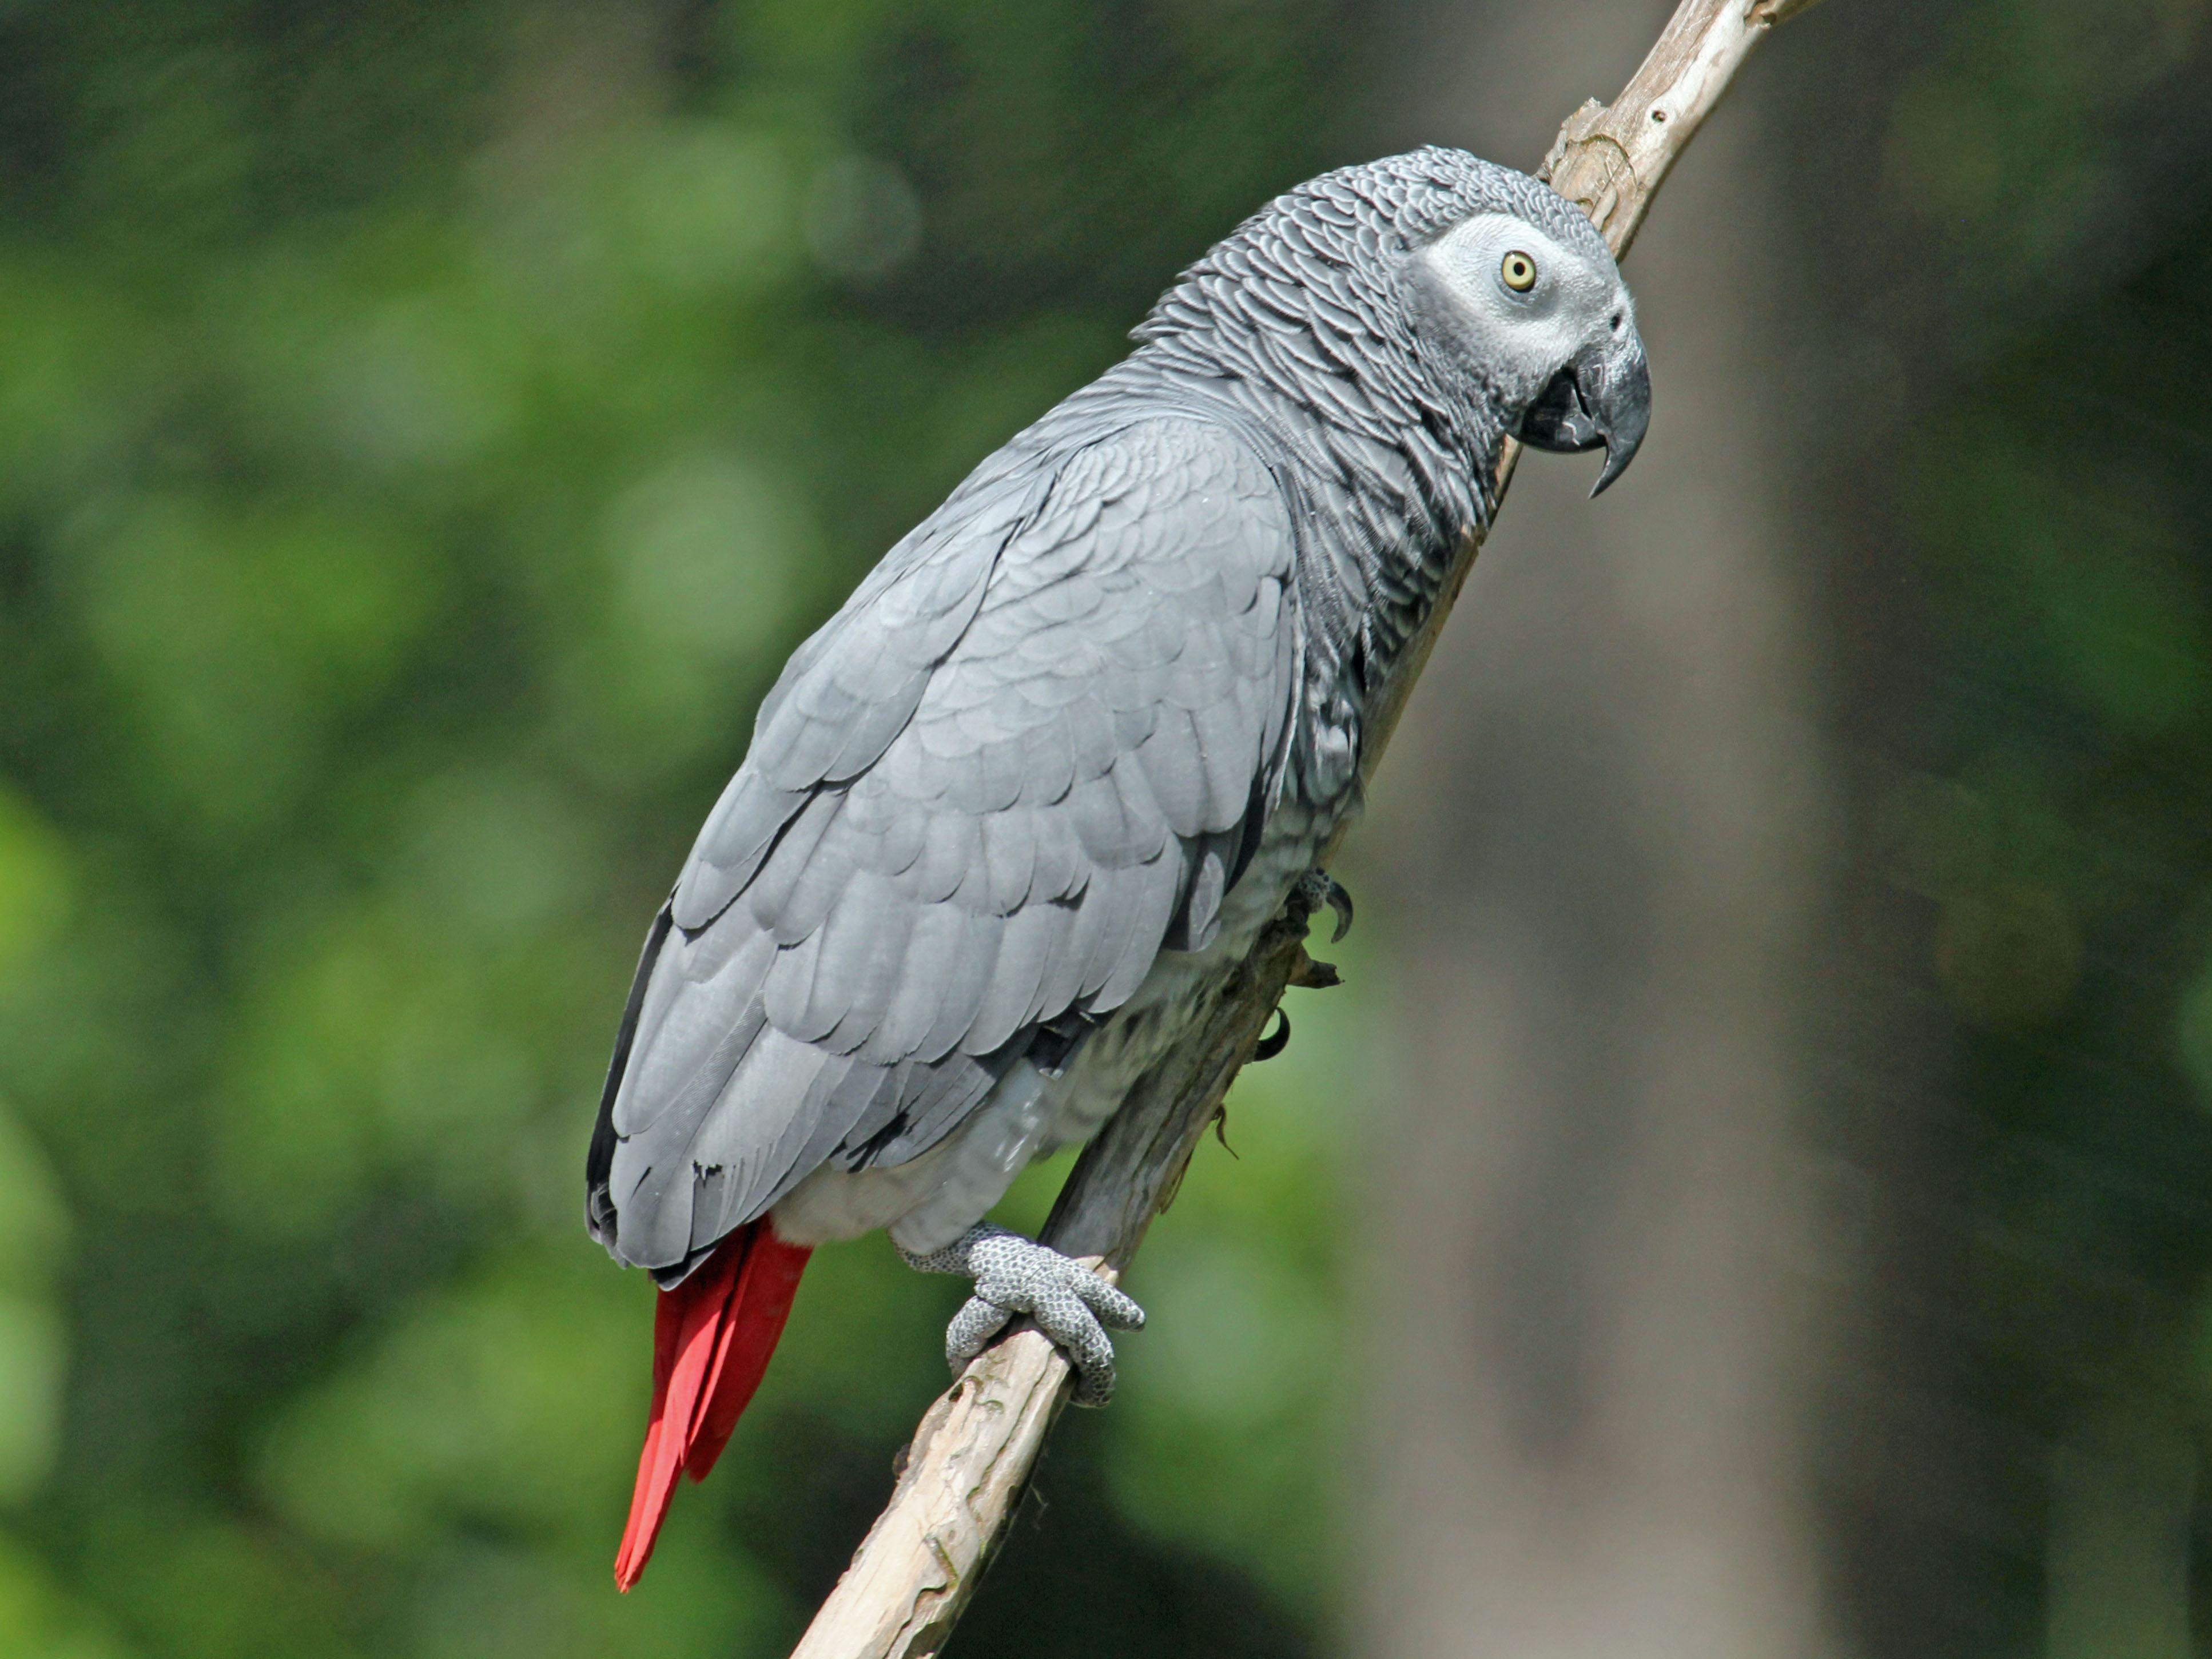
x: 1610, y: 160
x: 961, y: 1478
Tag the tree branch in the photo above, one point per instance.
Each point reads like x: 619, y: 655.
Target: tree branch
x: 961, y: 1477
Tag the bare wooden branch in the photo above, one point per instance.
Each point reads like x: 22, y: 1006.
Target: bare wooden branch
x: 961, y: 1478
x: 1610, y: 160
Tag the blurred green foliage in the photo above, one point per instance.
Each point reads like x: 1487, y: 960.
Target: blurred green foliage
x: 424, y: 431
x: 2054, y: 704
x: 2069, y: 856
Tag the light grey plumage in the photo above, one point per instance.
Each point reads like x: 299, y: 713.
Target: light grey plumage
x: 1064, y: 751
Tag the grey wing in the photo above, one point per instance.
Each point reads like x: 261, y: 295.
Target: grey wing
x: 1033, y: 751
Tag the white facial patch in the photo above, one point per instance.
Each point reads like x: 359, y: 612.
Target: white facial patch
x: 1525, y: 326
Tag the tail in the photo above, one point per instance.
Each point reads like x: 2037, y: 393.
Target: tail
x: 712, y: 1336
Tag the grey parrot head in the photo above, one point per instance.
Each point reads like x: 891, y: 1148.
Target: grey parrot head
x: 1432, y: 293
x: 1538, y: 311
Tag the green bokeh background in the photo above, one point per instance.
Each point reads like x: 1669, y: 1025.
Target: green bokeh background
x: 424, y: 428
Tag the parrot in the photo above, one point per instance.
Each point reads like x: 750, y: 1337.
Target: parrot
x: 1036, y: 786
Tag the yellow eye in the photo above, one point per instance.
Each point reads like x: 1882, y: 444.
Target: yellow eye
x: 1519, y: 271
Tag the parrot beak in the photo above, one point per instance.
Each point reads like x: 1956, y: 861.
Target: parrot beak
x: 1603, y: 396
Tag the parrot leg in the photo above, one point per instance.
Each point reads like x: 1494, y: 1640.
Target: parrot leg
x: 1013, y: 1275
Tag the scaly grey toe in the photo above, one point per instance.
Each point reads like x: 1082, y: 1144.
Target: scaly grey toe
x: 1014, y: 1275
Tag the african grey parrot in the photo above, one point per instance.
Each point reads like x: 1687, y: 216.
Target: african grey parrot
x: 1042, y: 778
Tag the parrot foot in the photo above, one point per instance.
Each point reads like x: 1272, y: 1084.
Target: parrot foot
x: 1316, y: 888
x: 1013, y: 1275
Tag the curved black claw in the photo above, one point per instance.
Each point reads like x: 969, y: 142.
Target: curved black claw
x: 1340, y: 901
x: 1013, y: 1275
x: 1273, y: 1043
x: 1316, y: 888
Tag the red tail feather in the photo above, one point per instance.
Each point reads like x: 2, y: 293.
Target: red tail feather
x: 712, y: 1336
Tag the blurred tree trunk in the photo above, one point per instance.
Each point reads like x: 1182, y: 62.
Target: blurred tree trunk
x: 1596, y: 849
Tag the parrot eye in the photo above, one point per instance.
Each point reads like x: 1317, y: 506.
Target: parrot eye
x: 1519, y: 271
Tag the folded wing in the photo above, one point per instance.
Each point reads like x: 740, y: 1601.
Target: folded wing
x: 1032, y: 751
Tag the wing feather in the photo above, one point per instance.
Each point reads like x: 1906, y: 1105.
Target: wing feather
x: 1015, y: 766
x: 925, y: 970
x: 972, y: 964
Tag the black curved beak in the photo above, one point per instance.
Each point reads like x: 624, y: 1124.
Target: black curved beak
x: 1603, y: 396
